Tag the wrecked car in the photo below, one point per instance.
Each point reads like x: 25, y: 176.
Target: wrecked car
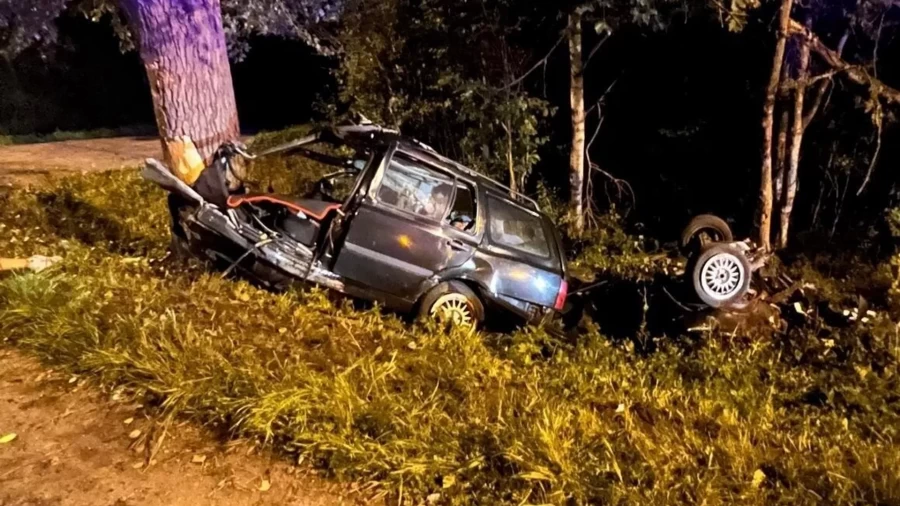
x: 416, y: 231
x: 719, y: 267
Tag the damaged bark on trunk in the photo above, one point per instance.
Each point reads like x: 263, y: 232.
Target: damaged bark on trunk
x: 576, y: 99
x: 182, y: 45
x: 765, y: 186
x: 790, y: 181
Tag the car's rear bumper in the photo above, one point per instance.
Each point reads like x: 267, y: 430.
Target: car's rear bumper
x: 527, y: 311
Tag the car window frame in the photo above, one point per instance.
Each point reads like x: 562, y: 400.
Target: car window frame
x: 477, y: 233
x: 473, y: 190
x: 375, y: 189
x: 377, y: 180
x: 510, y: 248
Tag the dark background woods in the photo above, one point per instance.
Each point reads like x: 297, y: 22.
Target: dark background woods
x: 84, y: 82
x: 680, y: 109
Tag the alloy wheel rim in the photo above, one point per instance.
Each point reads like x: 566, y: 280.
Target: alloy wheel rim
x: 722, y: 276
x: 454, y: 308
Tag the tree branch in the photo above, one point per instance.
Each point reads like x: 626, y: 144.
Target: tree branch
x: 824, y: 86
x: 874, y: 160
x: 817, y: 102
x: 542, y: 61
x: 856, y: 73
x: 594, y: 51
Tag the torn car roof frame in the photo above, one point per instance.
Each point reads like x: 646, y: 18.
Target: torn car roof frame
x: 336, y: 135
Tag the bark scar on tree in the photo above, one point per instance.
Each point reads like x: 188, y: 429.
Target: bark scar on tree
x: 183, y: 158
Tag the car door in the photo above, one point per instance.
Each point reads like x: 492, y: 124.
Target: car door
x: 397, y: 237
x: 525, y: 255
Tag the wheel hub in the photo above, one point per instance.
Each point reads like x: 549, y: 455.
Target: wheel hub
x: 454, y: 308
x: 722, y: 276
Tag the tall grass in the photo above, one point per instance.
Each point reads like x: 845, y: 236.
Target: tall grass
x: 423, y: 413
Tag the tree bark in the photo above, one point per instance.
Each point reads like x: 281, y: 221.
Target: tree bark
x: 790, y: 182
x: 765, y: 184
x: 576, y: 100
x: 781, y: 155
x: 510, y: 165
x: 182, y: 45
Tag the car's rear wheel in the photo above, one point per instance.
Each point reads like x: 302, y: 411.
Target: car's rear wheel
x: 721, y: 276
x: 702, y: 231
x: 453, y: 302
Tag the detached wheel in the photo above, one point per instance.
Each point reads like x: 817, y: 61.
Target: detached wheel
x: 721, y: 276
x: 704, y: 230
x: 453, y: 302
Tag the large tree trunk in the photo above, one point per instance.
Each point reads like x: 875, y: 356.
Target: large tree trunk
x: 182, y: 45
x: 576, y: 99
x: 765, y: 186
x: 790, y: 181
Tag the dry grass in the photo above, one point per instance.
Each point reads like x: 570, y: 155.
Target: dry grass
x: 410, y: 412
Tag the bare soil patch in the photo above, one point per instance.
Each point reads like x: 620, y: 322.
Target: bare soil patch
x: 74, y: 446
x: 29, y: 164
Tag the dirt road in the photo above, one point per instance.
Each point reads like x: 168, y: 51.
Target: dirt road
x: 33, y: 163
x: 74, y: 446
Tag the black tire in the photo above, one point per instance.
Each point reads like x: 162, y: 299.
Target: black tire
x: 451, y: 288
x: 715, y: 285
x: 703, y: 230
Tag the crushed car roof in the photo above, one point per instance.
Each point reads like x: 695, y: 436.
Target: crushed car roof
x: 369, y: 136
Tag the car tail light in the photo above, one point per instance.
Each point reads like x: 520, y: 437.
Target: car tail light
x: 561, y: 296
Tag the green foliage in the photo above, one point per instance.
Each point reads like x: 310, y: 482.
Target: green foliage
x: 24, y: 24
x: 502, y: 131
x: 736, y: 13
x: 371, y: 47
x: 443, y: 72
x: 893, y: 219
x: 413, y: 410
x: 609, y: 251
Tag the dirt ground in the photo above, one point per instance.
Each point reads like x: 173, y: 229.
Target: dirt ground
x: 34, y: 163
x: 74, y: 446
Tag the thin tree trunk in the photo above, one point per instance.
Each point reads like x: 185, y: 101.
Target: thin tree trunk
x: 509, y: 160
x: 781, y: 155
x: 182, y: 45
x: 790, y: 182
x: 576, y: 99
x: 765, y: 186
